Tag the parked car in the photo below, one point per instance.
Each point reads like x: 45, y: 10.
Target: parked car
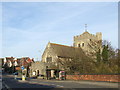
x: 16, y: 73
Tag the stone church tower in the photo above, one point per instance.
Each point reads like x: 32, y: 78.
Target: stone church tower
x: 88, y: 41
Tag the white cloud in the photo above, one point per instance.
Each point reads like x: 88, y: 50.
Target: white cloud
x: 29, y: 34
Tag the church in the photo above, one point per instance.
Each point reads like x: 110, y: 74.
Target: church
x: 84, y: 44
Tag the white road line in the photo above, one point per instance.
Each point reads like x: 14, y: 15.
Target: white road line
x: 47, y: 84
x: 6, y: 85
x: 52, y: 84
x: 60, y: 86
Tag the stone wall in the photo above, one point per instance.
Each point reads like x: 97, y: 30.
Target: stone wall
x: 85, y: 39
x: 49, y: 53
x: 109, y: 78
x: 39, y: 66
x: 88, y: 42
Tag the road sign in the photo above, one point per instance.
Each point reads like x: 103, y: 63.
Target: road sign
x: 17, y: 68
x: 22, y: 67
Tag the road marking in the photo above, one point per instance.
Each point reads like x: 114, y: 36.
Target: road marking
x: 39, y: 83
x: 22, y: 81
x: 60, y: 86
x: 6, y: 85
x: 47, y: 84
x: 52, y: 84
x: 109, y: 84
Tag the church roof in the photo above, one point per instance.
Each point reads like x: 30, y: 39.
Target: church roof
x: 64, y: 51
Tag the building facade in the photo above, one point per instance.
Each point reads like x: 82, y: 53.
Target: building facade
x: 38, y: 68
x: 89, y: 43
x: 12, y: 64
x: 84, y: 39
x: 55, y: 53
x: 85, y: 43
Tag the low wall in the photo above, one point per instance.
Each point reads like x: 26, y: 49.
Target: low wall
x: 110, y: 78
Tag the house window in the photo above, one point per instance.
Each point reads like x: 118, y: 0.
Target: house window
x: 49, y: 59
x: 78, y: 45
x: 82, y: 44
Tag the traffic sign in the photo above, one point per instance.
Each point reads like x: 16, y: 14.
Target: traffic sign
x: 22, y: 67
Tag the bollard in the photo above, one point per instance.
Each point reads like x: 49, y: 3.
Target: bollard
x: 23, y: 78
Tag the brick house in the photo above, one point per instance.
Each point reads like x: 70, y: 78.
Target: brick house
x: 11, y: 64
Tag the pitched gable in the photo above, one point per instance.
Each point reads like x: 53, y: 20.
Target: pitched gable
x: 63, y: 51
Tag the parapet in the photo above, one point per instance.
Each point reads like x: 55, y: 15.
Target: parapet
x: 99, y: 35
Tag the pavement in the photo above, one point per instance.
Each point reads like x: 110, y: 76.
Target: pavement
x: 10, y: 82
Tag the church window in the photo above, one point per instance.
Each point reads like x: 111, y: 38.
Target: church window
x: 78, y: 45
x: 82, y: 44
x: 49, y: 59
x: 46, y: 67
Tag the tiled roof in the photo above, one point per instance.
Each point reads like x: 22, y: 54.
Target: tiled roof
x: 66, y: 51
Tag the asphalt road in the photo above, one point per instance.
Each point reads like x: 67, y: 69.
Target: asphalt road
x: 10, y: 82
x: 76, y: 84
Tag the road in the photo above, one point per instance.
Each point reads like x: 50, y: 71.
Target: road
x: 10, y: 82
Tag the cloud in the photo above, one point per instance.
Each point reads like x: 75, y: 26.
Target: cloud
x: 20, y: 15
x: 21, y: 43
x: 27, y: 27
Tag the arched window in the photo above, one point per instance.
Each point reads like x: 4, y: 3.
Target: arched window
x: 82, y: 44
x: 78, y: 45
x: 49, y: 59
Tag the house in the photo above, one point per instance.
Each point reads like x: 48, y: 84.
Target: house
x: 8, y: 64
x: 12, y: 64
x: 1, y: 63
x: 24, y: 62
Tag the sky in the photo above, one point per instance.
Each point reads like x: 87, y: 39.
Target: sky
x: 27, y: 27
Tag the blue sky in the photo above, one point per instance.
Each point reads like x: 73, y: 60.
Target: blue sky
x: 27, y: 27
